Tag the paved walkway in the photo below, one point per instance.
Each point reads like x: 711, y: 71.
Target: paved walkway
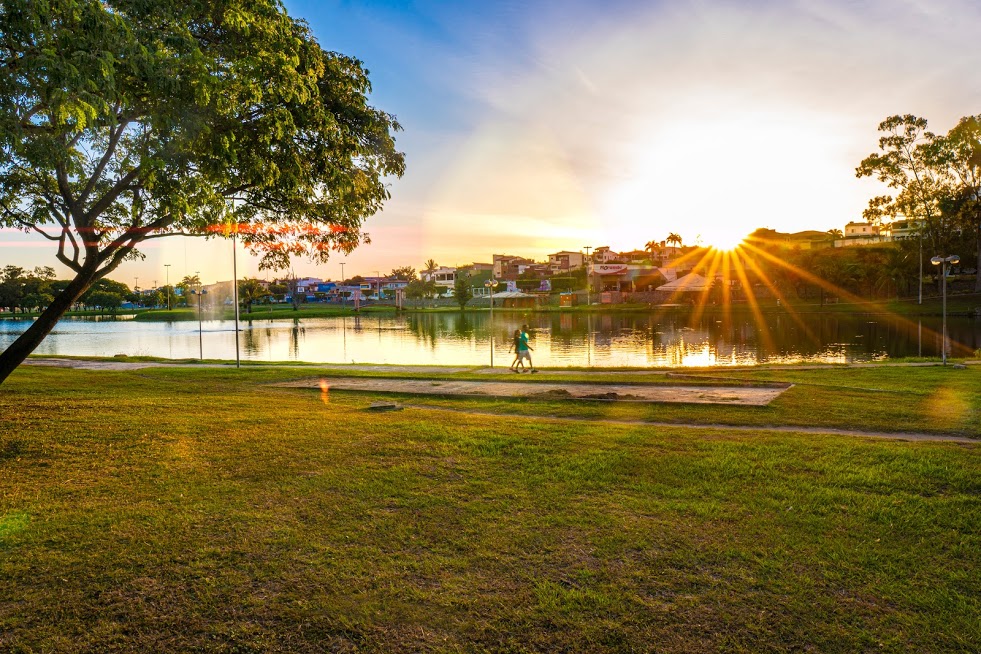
x: 756, y: 429
x: 732, y: 395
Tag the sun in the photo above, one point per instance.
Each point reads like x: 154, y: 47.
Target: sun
x: 725, y: 240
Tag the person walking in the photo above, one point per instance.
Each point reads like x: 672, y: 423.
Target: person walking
x: 516, y: 346
x: 524, y: 349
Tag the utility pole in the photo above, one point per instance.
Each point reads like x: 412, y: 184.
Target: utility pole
x: 167, y: 266
x: 343, y: 300
x: 588, y: 261
x: 921, y: 265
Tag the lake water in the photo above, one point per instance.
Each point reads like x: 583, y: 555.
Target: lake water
x: 558, y: 339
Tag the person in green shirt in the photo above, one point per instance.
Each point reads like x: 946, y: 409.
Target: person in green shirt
x: 524, y: 350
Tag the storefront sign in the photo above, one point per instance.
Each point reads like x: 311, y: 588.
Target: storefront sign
x: 609, y: 268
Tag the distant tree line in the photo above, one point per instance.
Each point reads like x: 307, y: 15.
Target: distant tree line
x: 29, y: 291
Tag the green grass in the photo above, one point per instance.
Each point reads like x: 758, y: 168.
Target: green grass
x: 205, y: 510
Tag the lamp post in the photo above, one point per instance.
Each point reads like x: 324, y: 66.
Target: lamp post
x: 343, y: 299
x: 200, y: 293
x: 920, y: 300
x: 167, y: 266
x: 490, y: 285
x: 945, y: 263
x: 588, y: 261
x: 238, y: 356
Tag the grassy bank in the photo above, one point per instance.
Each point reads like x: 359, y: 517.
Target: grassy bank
x: 177, y: 510
x: 957, y: 305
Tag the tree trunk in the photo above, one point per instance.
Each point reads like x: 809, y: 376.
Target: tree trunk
x: 977, y: 275
x: 27, y: 342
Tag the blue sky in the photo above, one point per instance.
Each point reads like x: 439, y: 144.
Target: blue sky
x: 531, y: 127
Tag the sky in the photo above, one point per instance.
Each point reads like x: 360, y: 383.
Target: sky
x: 537, y: 126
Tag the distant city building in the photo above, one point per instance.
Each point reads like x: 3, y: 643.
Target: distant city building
x: 902, y: 229
x: 806, y: 240
x: 444, y: 277
x: 603, y: 254
x: 860, y: 233
x: 506, y: 267
x: 565, y: 261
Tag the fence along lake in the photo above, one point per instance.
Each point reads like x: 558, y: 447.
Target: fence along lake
x: 558, y: 339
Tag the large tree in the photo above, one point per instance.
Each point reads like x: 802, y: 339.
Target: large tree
x: 462, y: 290
x: 905, y: 163
x: 123, y: 121
x: 958, y: 158
x: 250, y: 291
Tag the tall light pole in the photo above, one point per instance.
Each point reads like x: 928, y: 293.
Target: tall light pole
x: 491, y: 284
x: 167, y: 266
x: 343, y: 300
x: 238, y: 356
x: 945, y: 263
x: 920, y: 301
x: 588, y: 261
x: 200, y: 295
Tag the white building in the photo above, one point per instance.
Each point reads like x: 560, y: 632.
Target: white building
x: 565, y: 260
x: 603, y: 254
x: 444, y: 276
x: 860, y: 234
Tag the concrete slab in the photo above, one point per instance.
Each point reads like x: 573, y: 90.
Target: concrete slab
x: 729, y: 395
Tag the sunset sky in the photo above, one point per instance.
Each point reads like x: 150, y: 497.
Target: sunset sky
x: 532, y: 127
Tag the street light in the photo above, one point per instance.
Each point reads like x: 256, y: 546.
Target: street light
x: 490, y: 285
x: 167, y: 266
x: 200, y: 293
x: 945, y: 263
x: 341, y: 293
x: 588, y: 261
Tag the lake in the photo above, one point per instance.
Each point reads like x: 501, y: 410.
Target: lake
x: 558, y: 339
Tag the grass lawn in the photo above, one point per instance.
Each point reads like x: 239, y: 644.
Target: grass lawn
x: 203, y: 510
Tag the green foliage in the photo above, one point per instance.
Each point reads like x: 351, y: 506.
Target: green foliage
x: 27, y: 291
x: 406, y: 273
x: 104, y: 300
x: 126, y: 121
x: 251, y: 291
x: 231, y: 523
x: 462, y: 290
x: 418, y: 289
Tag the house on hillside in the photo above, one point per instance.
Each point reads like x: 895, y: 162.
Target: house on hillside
x: 507, y: 267
x: 565, y: 261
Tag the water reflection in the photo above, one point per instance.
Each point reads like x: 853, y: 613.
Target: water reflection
x: 559, y: 339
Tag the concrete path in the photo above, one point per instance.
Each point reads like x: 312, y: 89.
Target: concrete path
x: 756, y: 429
x: 732, y: 395
x: 109, y: 364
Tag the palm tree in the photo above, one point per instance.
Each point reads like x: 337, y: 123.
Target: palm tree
x: 186, y: 285
x: 652, y: 247
x: 431, y: 266
x: 250, y: 291
x: 674, y: 238
x: 835, y: 233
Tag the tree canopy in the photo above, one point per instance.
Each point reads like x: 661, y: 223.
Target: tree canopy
x: 125, y: 121
x: 936, y: 178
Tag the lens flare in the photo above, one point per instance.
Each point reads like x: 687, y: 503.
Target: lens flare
x: 324, y: 391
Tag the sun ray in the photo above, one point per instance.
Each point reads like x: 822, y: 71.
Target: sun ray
x: 714, y: 263
x: 727, y: 285
x: 828, y: 286
x: 754, y: 306
x: 794, y: 315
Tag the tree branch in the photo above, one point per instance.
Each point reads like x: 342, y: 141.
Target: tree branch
x: 106, y: 158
